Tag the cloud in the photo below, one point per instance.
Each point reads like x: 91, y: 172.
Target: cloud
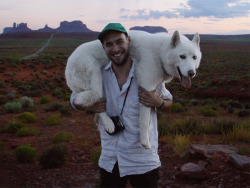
x: 147, y: 14
x: 215, y: 8
x: 196, y: 9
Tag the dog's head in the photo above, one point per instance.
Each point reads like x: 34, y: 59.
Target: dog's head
x: 182, y: 58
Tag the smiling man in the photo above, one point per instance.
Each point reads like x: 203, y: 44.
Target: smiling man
x: 123, y: 157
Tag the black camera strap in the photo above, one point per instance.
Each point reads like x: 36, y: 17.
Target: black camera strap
x: 126, y: 95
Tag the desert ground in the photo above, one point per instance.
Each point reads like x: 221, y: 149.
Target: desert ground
x: 35, y: 112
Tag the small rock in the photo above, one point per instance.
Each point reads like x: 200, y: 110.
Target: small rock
x: 202, y: 163
x: 192, y: 171
x: 208, y: 150
x: 242, y: 162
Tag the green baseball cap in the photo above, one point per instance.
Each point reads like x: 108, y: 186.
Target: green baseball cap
x: 114, y: 27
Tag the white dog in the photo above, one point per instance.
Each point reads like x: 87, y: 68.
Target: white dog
x: 159, y: 57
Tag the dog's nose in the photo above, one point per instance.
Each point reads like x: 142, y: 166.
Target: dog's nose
x: 191, y: 73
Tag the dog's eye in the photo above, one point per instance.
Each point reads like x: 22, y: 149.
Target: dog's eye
x: 194, y: 57
x: 182, y: 56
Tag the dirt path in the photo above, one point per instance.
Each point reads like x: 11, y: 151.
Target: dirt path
x: 41, y: 49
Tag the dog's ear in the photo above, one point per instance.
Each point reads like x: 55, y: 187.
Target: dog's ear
x: 175, y: 40
x: 196, y: 39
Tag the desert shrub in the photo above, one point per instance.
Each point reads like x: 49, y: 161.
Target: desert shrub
x: 13, y: 127
x: 53, y: 120
x: 27, y: 117
x: 45, y: 100
x: 220, y: 126
x: 186, y: 126
x: 2, y: 84
x: 176, y: 108
x: 194, y: 102
x: 247, y: 106
x: 55, y: 106
x: 238, y: 134
x: 25, y: 153
x: 208, y: 102
x: 181, y: 145
x: 208, y: 112
x: 27, y: 103
x: 244, y: 150
x: 236, y: 104
x: 28, y: 131
x: 3, y: 145
x: 66, y: 96
x: 62, y: 136
x: 53, y: 157
x: 243, y: 113
x: 66, y: 111
x: 11, y: 95
x: 57, y: 92
x: 2, y: 99
x: 95, y: 155
x: 163, y: 129
x: 12, y: 107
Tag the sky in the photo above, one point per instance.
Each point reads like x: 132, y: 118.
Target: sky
x: 186, y: 16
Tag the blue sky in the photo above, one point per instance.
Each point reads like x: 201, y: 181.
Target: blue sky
x: 187, y: 16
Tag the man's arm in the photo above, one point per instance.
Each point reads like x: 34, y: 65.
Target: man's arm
x: 152, y: 99
x: 97, y: 107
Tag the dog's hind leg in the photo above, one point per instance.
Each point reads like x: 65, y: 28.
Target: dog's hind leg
x: 144, y: 125
x: 96, y: 86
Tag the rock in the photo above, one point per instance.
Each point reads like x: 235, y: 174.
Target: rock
x: 150, y: 29
x: 192, y: 171
x: 242, y: 162
x: 208, y: 150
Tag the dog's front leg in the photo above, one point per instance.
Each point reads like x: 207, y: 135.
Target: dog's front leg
x: 107, y: 122
x: 144, y: 125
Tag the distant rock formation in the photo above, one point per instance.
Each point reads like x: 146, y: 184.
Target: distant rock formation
x: 22, y: 27
x: 150, y: 29
x: 75, y: 26
x: 65, y: 26
x: 46, y: 29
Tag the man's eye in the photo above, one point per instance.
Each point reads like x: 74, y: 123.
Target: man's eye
x: 182, y: 56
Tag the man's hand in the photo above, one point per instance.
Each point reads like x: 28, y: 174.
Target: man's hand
x: 150, y: 98
x: 98, y: 107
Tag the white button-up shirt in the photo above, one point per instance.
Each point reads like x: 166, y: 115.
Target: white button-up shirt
x: 125, y: 146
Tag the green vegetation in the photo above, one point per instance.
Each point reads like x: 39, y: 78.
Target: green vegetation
x: 27, y: 103
x: 181, y: 145
x: 53, y: 120
x: 62, y: 136
x: 25, y: 153
x: 45, y: 100
x: 53, y: 157
x: 14, y: 126
x: 12, y: 107
x: 95, y: 155
x: 28, y: 131
x: 27, y: 117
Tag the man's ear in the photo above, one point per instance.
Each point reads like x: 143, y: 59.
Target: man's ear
x: 129, y: 40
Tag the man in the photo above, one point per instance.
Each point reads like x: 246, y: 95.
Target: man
x: 123, y: 157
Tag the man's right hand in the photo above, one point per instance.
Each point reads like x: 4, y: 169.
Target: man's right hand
x: 98, y: 107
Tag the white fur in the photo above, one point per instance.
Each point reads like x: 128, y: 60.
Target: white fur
x: 157, y: 57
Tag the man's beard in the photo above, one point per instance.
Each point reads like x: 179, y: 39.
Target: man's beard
x: 121, y: 62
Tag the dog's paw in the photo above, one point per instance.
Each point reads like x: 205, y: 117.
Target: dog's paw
x: 145, y: 142
x: 109, y: 126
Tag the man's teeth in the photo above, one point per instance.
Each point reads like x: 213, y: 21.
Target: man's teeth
x: 117, y: 55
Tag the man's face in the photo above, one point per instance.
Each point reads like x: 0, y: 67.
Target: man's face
x: 116, y: 46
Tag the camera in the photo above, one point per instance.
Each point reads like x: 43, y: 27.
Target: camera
x: 118, y: 125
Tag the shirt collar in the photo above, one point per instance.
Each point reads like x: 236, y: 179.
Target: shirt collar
x: 131, y: 72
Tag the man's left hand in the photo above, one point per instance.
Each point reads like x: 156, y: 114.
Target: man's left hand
x: 150, y: 98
